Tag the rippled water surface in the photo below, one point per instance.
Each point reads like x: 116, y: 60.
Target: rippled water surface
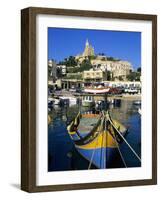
x: 62, y: 154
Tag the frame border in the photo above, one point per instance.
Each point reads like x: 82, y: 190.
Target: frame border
x: 28, y: 98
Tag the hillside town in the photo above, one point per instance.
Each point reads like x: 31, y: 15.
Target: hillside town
x: 89, y: 69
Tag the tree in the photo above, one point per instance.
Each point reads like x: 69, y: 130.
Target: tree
x: 85, y: 65
x: 50, y: 72
x: 101, y: 54
x: 108, y: 75
x: 59, y: 74
x: 103, y: 58
x: 112, y: 58
x: 120, y: 78
x: 69, y: 62
x: 139, y: 69
x: 91, y: 57
x: 134, y: 76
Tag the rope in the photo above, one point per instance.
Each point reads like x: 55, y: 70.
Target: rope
x: 119, y: 151
x: 125, y: 141
x: 122, y: 158
x: 79, y: 105
x: 102, y: 139
x: 89, y: 166
x: 105, y: 142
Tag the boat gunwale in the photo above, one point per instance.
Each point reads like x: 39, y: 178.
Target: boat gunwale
x: 83, y: 140
x: 89, y: 137
x: 102, y: 132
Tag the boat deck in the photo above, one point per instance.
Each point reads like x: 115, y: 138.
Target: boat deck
x: 87, y: 122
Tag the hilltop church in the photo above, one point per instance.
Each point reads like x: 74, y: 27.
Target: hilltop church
x: 118, y: 68
x: 88, y: 51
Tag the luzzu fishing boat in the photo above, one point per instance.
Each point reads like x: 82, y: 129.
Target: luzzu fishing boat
x: 97, y: 137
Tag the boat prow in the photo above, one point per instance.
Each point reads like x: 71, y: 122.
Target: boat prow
x: 96, y: 137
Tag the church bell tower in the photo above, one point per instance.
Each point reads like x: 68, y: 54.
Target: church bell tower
x: 89, y: 50
x: 87, y: 43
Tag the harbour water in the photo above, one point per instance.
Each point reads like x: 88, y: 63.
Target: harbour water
x: 62, y: 154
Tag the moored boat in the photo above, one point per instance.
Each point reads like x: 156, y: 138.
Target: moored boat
x: 53, y: 101
x: 101, y: 104
x: 56, y: 101
x: 71, y: 100
x: 88, y: 101
x: 96, y: 137
x: 50, y: 103
x: 138, y: 102
x: 139, y: 111
x: 115, y: 102
x: 96, y: 90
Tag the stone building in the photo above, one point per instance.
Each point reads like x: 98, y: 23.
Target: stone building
x: 117, y: 68
x: 93, y: 76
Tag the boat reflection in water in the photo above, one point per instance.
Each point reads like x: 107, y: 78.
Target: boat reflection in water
x: 81, y: 138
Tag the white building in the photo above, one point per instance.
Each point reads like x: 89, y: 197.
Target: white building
x: 118, y: 68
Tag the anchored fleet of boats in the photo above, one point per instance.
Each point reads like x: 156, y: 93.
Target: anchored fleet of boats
x: 85, y: 96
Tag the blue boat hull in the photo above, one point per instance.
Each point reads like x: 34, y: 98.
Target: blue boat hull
x: 101, y: 158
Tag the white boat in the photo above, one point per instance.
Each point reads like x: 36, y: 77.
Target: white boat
x: 88, y: 101
x: 96, y: 90
x: 138, y: 102
x: 139, y: 111
x: 131, y: 90
x: 72, y: 100
x: 55, y: 101
x: 112, y: 101
x: 50, y: 99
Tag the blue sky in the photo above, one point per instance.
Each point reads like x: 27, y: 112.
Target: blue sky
x: 65, y: 42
